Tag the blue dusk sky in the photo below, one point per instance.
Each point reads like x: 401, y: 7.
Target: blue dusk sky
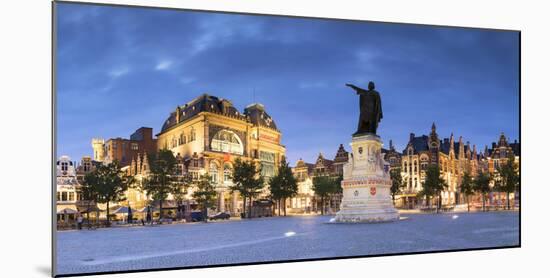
x: 120, y: 68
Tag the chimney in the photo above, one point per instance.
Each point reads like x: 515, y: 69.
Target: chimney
x: 391, y: 145
x: 493, y: 145
x: 411, y: 136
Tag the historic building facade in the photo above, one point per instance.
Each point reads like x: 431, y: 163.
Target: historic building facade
x: 124, y: 150
x: 454, y: 158
x: 306, y: 201
x: 208, y: 134
x: 492, y: 159
x: 67, y: 186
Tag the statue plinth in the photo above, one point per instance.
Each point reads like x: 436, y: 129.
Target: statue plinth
x: 366, y: 184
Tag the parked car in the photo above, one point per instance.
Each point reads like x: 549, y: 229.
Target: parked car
x: 196, y: 216
x: 220, y: 216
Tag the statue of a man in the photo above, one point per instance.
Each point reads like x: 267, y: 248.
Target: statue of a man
x: 370, y: 107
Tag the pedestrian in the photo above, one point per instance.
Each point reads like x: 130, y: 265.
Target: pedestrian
x: 79, y: 220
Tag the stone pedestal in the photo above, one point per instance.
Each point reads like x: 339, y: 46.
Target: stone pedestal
x: 366, y: 184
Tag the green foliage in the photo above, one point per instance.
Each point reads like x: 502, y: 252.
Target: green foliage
x: 163, y: 179
x: 324, y: 186
x: 205, y: 192
x: 482, y: 185
x: 247, y: 180
x: 467, y: 185
x: 509, y: 178
x: 433, y: 184
x: 284, y: 184
x: 396, y: 182
x: 107, y: 183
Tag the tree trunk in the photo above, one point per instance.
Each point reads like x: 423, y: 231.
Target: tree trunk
x: 250, y: 208
x: 284, y: 206
x: 428, y: 204
x: 160, y: 212
x: 205, y: 213
x: 483, y: 202
x: 108, y: 218
x: 393, y: 199
x: 322, y: 205
x: 508, y: 200
x: 468, y: 202
x: 244, y: 208
x: 279, y: 206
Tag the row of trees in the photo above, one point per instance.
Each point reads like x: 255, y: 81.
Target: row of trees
x: 506, y: 180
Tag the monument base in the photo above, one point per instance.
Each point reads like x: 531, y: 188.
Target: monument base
x: 366, y: 184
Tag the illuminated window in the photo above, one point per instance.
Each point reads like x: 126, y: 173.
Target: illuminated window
x: 227, y: 173
x: 228, y: 142
x: 214, y: 172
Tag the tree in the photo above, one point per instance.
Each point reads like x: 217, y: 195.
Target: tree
x: 433, y: 185
x: 481, y: 185
x: 179, y: 189
x: 467, y: 187
x: 283, y: 185
x: 108, y: 183
x: 396, y: 183
x: 276, y: 191
x: 324, y: 186
x: 509, y: 179
x: 89, y: 193
x: 247, y: 180
x: 205, y: 194
x: 160, y: 182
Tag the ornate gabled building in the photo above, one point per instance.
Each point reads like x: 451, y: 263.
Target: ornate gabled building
x: 493, y: 158
x: 67, y: 190
x: 453, y: 159
x: 392, y: 156
x: 208, y: 134
x: 305, y: 201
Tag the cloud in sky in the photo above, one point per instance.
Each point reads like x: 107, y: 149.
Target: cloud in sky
x: 118, y: 72
x: 466, y: 80
x: 163, y: 65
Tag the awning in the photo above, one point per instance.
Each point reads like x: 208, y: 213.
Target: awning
x: 122, y: 210
x: 67, y: 211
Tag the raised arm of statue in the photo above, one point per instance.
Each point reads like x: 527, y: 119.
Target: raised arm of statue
x: 357, y: 89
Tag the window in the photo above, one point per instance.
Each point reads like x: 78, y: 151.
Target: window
x: 71, y: 196
x: 228, y: 142
x: 214, y: 172
x: 193, y: 135
x: 63, y: 196
x: 64, y: 166
x: 267, y: 160
x: 58, y: 196
x: 134, y: 146
x: 405, y: 166
x: 227, y: 173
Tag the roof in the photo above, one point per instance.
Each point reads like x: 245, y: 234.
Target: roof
x: 341, y: 155
x: 257, y: 116
x: 418, y: 143
x: 254, y: 113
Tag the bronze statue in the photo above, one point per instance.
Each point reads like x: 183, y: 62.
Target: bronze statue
x: 370, y: 107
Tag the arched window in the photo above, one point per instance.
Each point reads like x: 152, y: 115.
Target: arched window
x: 192, y: 135
x: 214, y: 172
x: 227, y: 173
x: 228, y: 142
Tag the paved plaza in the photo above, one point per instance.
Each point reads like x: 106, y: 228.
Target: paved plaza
x: 278, y: 238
